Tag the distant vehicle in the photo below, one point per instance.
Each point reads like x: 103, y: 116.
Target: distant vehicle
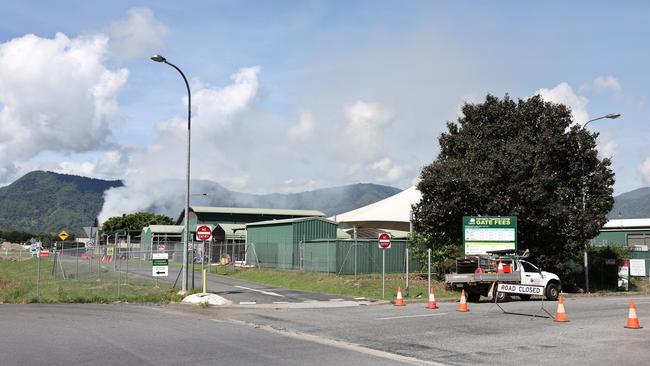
x: 34, y: 248
x: 477, y: 275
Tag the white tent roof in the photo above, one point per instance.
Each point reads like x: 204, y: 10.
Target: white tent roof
x: 390, y: 213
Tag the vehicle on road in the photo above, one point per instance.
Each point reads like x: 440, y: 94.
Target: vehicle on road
x: 479, y: 275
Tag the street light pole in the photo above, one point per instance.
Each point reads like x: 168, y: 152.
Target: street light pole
x: 184, y: 281
x: 584, y: 200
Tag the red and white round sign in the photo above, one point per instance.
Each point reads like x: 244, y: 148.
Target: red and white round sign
x: 203, y: 233
x: 384, y: 240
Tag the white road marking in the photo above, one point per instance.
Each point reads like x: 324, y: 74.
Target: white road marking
x: 280, y: 302
x: 260, y: 291
x: 359, y: 298
x: 310, y: 301
x: 337, y: 299
x: 342, y: 345
x: 410, y: 316
x: 247, y: 303
x: 635, y: 303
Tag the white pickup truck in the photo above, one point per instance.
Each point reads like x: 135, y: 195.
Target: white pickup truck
x: 478, y: 275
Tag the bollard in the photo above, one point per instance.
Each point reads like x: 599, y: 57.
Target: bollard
x: 205, y: 280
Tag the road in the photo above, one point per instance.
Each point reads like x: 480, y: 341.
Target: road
x: 78, y: 334
x: 360, y: 335
x: 244, y: 292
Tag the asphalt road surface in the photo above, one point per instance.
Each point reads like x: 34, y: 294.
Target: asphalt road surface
x: 359, y: 335
x: 77, y: 334
x: 244, y: 292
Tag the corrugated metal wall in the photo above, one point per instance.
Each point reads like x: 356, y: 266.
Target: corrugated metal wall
x: 340, y: 256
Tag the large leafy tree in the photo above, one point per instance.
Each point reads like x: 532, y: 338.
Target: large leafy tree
x: 525, y: 158
x: 135, y: 222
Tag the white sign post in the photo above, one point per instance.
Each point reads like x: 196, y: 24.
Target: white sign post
x: 637, y: 267
x: 384, y: 241
x: 160, y: 265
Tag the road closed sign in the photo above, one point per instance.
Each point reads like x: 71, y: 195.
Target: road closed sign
x: 521, y: 289
x: 203, y: 232
x: 384, y: 240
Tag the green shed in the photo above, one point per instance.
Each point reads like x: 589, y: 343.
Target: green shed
x: 277, y: 243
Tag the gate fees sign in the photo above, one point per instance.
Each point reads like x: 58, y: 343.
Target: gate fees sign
x: 384, y: 240
x: 521, y: 289
x: 204, y: 232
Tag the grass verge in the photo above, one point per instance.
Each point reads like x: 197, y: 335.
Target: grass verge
x: 367, y: 285
x: 18, y: 280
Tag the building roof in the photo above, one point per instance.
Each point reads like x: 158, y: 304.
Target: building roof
x: 288, y: 221
x: 393, y: 212
x: 627, y: 223
x: 256, y: 211
x: 166, y: 229
x: 233, y: 229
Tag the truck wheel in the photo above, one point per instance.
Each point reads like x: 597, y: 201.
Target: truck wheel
x: 473, y: 297
x: 524, y: 297
x: 552, y: 292
x: 500, y: 296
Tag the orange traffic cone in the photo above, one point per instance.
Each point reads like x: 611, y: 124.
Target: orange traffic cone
x: 399, y: 301
x: 632, y: 320
x: 432, y: 300
x: 462, y: 305
x: 500, y: 268
x: 560, y: 315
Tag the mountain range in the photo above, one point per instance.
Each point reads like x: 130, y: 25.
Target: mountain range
x: 46, y: 202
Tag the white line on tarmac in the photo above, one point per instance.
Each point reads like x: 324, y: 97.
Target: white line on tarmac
x: 635, y: 303
x: 247, y: 303
x: 627, y: 298
x: 410, y: 316
x: 341, y: 345
x: 260, y: 291
x: 280, y: 302
x: 337, y: 299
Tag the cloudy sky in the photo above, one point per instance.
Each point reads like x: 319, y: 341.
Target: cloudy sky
x: 291, y: 96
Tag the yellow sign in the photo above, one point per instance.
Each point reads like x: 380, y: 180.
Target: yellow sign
x: 63, y: 235
x: 109, y: 251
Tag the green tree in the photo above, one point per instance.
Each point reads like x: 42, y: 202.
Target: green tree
x: 525, y: 158
x: 135, y: 222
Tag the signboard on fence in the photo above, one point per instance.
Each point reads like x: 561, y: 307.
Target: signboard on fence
x: 482, y: 234
x: 160, y: 264
x: 637, y: 267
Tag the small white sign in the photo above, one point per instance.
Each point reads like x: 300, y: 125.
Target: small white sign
x: 160, y: 267
x: 521, y: 289
x: 637, y: 267
x: 640, y: 248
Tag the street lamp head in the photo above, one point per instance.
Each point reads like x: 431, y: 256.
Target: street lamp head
x: 613, y: 115
x: 158, y: 58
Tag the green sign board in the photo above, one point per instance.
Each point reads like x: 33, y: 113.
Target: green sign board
x: 160, y: 262
x: 487, y: 233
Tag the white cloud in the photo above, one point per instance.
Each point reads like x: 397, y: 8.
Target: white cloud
x: 607, y: 145
x: 364, y: 125
x: 563, y: 93
x: 644, y: 170
x: 140, y: 34
x: 607, y: 83
x: 85, y: 169
x: 162, y: 164
x: 215, y: 106
x: 391, y: 173
x: 56, y: 94
x: 304, y: 130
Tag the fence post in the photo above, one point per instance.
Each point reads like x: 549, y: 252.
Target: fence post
x: 429, y: 265
x: 38, y: 275
x: 407, y: 265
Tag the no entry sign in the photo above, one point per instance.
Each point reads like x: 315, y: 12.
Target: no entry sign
x: 203, y: 232
x: 384, y: 240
